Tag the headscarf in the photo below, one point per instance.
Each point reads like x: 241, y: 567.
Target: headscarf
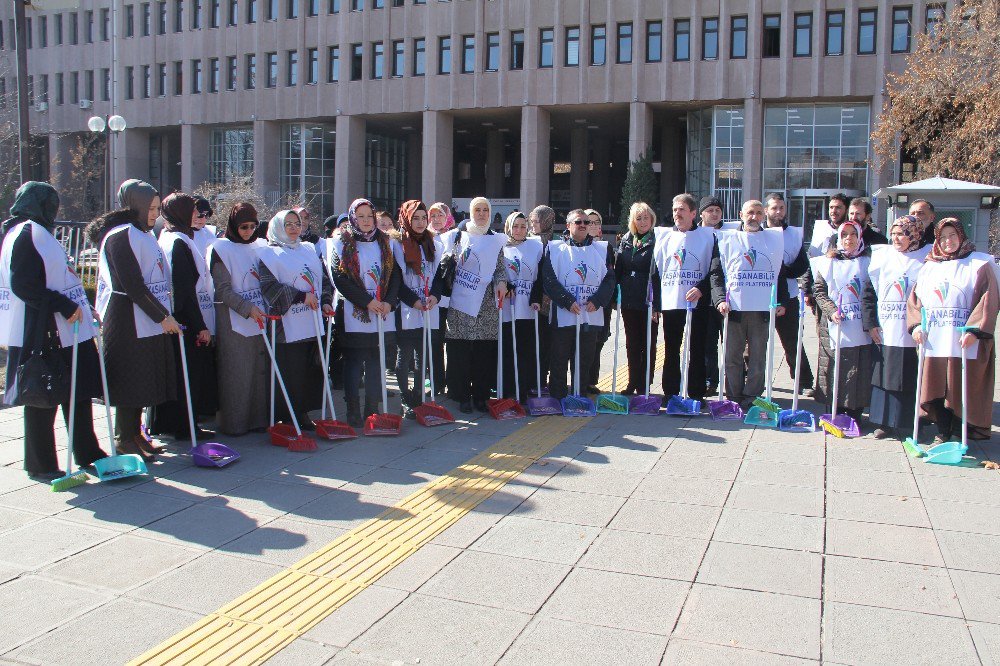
x: 240, y: 214
x: 449, y: 222
x: 204, y: 206
x: 911, y: 228
x: 177, y: 209
x: 546, y: 220
x: 840, y: 240
x: 411, y: 240
x: 350, y: 235
x: 965, y: 248
x: 136, y: 195
x: 276, y: 234
x: 508, y: 227
x: 352, y: 220
x: 473, y: 228
x: 35, y: 201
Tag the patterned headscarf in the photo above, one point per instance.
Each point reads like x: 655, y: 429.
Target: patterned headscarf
x: 840, y: 240
x: 546, y: 220
x: 449, y: 222
x: 965, y: 248
x: 276, y: 234
x: 240, y: 214
x: 412, y: 241
x: 350, y: 235
x: 911, y: 228
x: 177, y: 210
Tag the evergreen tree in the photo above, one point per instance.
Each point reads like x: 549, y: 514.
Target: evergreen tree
x: 640, y: 185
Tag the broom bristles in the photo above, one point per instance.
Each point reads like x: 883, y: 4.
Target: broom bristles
x: 71, y: 480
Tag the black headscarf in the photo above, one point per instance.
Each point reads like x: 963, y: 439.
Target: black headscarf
x: 136, y: 196
x: 240, y: 214
x: 178, y: 209
x: 35, y: 201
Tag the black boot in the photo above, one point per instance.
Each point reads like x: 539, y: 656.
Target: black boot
x: 354, y: 418
x: 371, y: 407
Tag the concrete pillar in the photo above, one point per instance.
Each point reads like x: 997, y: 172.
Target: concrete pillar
x: 579, y: 175
x: 194, y: 156
x: 599, y: 185
x: 753, y: 147
x: 672, y: 161
x: 438, y: 157
x: 640, y: 129
x: 494, y: 164
x: 349, y: 176
x: 535, y: 166
x: 266, y: 152
x: 414, y: 165
x: 131, y: 156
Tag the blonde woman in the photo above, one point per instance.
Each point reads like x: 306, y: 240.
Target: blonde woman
x: 632, y: 268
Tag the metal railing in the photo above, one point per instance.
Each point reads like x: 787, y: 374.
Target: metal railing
x: 82, y: 254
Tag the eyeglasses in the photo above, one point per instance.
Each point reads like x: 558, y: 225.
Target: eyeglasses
x: 293, y: 225
x: 247, y: 226
x: 580, y: 223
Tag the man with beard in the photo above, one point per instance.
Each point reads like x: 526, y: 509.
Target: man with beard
x: 860, y: 213
x: 923, y: 210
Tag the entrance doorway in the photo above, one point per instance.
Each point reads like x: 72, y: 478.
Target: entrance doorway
x: 807, y: 206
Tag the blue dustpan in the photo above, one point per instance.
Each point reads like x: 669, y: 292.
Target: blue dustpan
x: 948, y: 453
x: 679, y: 406
x: 114, y: 468
x: 796, y: 420
x: 759, y: 416
x: 682, y: 405
x: 577, y: 405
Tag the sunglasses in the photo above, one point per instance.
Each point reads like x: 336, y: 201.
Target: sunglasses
x: 247, y: 226
x: 202, y: 215
x: 580, y: 223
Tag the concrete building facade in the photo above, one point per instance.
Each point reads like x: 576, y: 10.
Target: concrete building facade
x: 545, y: 101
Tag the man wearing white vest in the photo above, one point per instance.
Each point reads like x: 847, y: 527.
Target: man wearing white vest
x: 575, y: 276
x: 745, y: 270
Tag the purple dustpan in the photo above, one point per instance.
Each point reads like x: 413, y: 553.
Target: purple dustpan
x: 725, y: 410
x: 648, y: 405
x: 840, y: 425
x: 213, y: 454
x: 544, y: 406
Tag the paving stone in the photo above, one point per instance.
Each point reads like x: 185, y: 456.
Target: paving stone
x: 912, y: 587
x: 684, y: 490
x: 891, y: 510
x: 303, y: 652
x: 13, y: 518
x: 799, y: 453
x: 9, y: 573
x: 650, y: 516
x: 496, y: 580
x: 979, y: 594
x: 551, y: 641
x: 971, y: 552
x: 269, y: 498
x: 987, y: 640
x: 645, y: 554
x: 391, y: 483
x: 709, y: 446
x: 533, y: 539
x: 864, y: 459
x: 597, y: 479
x: 121, y: 563
x: 125, y: 511
x: 755, y: 620
x: 193, y: 484
x: 673, y: 463
x: 974, y: 491
x: 283, y: 541
x: 625, y: 458
x: 355, y: 617
x: 431, y: 461
x: 866, y: 635
x: 883, y: 542
x: 320, y: 471
x: 781, y: 499
x: 777, y: 530
x: 43, y: 542
x: 848, y: 479
x: 781, y: 473
x: 203, y: 526
x: 690, y: 653
x: 217, y: 578
x: 468, y: 529
x: 763, y: 569
x: 962, y: 517
x: 372, y: 451
x: 564, y: 506
x: 41, y: 605
x: 438, y: 631
x: 13, y: 479
x: 419, y: 567
x: 39, y: 498
x: 342, y: 508
x: 621, y: 601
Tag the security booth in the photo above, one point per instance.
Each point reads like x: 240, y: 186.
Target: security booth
x: 970, y: 203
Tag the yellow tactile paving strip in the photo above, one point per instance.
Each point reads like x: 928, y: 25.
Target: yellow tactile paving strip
x: 259, y: 624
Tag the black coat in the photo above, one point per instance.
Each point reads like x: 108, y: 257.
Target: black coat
x: 632, y: 268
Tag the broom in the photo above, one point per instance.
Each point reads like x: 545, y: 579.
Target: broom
x: 79, y: 477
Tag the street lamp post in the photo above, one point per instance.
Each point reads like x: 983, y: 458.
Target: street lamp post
x: 111, y: 127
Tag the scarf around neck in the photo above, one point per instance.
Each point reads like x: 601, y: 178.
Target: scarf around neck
x: 413, y: 242
x: 965, y: 248
x: 351, y: 235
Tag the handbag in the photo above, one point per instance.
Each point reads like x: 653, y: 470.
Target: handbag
x: 42, y: 379
x: 446, y: 269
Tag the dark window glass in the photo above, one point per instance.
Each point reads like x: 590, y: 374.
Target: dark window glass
x: 546, y: 36
x: 195, y: 77
x: 196, y: 15
x: 88, y: 29
x: 251, y: 11
x: 901, y: 20
x: 43, y: 30
x: 58, y: 29
x: 835, y: 33
x: 398, y: 58
x: 867, y: 24
x: 272, y: 69
x: 419, y: 56
x: 147, y: 82
x: 682, y: 39
x: 312, y: 66
x: 272, y: 10
x: 654, y: 41
x: 178, y: 77
x: 161, y: 18
x: 105, y: 85
x: 378, y: 4
x: 933, y: 15
x: 161, y: 79
x: 292, y: 68
x: 444, y: 55
x: 214, y: 13
x: 233, y: 15
x: 178, y: 16
x: 357, y: 53
x: 357, y: 5
x: 129, y: 82
x: 312, y: 7
x: 378, y: 60
x: 147, y: 19
x: 251, y: 71
x: 231, y: 73
x: 772, y: 36
x: 598, y: 44
x: 492, y: 52
x: 803, y: 34
x: 624, y: 52
x: 74, y: 28
x: 468, y: 54
x: 60, y: 99
x: 105, y: 24
x: 710, y: 38
x: 517, y: 49
x: 292, y: 11
x: 333, y: 64
x: 213, y: 75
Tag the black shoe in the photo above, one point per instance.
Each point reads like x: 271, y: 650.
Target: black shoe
x: 481, y: 406
x: 593, y: 390
x: 465, y: 407
x: 47, y: 477
x: 306, y: 424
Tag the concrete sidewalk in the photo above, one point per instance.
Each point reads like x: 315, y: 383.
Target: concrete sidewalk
x: 635, y: 540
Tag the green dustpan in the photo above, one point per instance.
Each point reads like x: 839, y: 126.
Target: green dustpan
x: 758, y: 416
x: 612, y: 403
x: 766, y: 403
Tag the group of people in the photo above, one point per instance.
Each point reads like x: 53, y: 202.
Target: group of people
x: 425, y: 292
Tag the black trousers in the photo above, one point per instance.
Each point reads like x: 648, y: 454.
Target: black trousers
x: 128, y: 422
x: 544, y: 344
x: 472, y: 369
x: 40, y: 437
x: 602, y: 337
x: 437, y: 355
x: 713, y: 341
x: 787, y: 327
x: 673, y: 335
x: 525, y: 359
x: 358, y: 361
x: 635, y: 348
x: 563, y: 353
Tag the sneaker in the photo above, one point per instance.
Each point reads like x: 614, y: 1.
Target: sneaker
x: 808, y: 393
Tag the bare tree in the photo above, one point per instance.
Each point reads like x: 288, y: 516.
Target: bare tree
x: 240, y: 189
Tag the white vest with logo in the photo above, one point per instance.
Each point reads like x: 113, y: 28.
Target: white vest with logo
x: 793, y: 245
x: 203, y: 288
x: 945, y: 289
x: 821, y: 232
x: 476, y: 261
x: 409, y: 317
x: 370, y: 267
x: 683, y: 259
x: 240, y: 260
x: 299, y: 268
x: 59, y: 276
x: 846, y: 280
x: 580, y: 270
x: 750, y: 263
x: 155, y: 275
x: 893, y: 275
x: 205, y: 238
x: 522, y: 263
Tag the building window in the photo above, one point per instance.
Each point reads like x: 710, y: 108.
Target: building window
x: 772, y: 36
x: 129, y: 82
x: 682, y: 39
x: 230, y: 154
x: 58, y: 29
x: 43, y: 87
x: 468, y: 54
x: 231, y: 72
x: 546, y: 37
x: 333, y: 64
x: 161, y: 79
x: 292, y: 11
x: 419, y: 56
x: 312, y: 66
x: 88, y: 29
x: 234, y: 13
x: 715, y: 156
x: 492, y: 52
x: 161, y: 18
x: 357, y: 5
x: 178, y: 16
x: 251, y: 11
x: 444, y: 55
x: 272, y: 10
x: 312, y: 7
x: 867, y: 23
x: 803, y: 35
x: 378, y: 4
x: 292, y: 68
x: 624, y: 52
x: 378, y: 57
x: 196, y: 77
x: 147, y: 82
x: 385, y: 171
x: 571, y: 54
x: 598, y: 45
x: 214, y: 13
x: 307, y: 164
x: 934, y: 14
x: 105, y: 24
x: 251, y: 82
x: 74, y: 28
x: 213, y: 75
x: 43, y: 31
x: 835, y: 33
x: 178, y: 77
x: 29, y: 41
x: 654, y: 41
x: 147, y: 19
x: 88, y: 83
x: 60, y: 99
x: 901, y: 19
x: 357, y: 54
x: 272, y: 69
x: 710, y: 38
x: 398, y: 58
x: 517, y: 49
x: 74, y: 88
x: 334, y: 7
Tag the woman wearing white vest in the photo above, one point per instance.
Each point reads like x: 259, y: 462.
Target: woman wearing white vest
x: 133, y: 299
x: 368, y: 280
x: 242, y: 362
x: 204, y: 233
x: 541, y: 221
x: 41, y: 297
x: 293, y: 286
x: 194, y: 309
x: 522, y: 259
x: 480, y: 279
x: 417, y: 253
x: 575, y: 276
x: 958, y: 287
x: 893, y: 271
x: 841, y: 277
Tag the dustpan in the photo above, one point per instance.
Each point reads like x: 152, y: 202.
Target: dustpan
x: 502, y: 408
x: 429, y: 413
x: 912, y: 444
x: 951, y: 453
x: 795, y: 419
x: 283, y: 434
x: 114, y: 467
x: 383, y: 424
x: 647, y: 405
x: 577, y: 404
x: 682, y: 405
x: 612, y: 403
x: 542, y: 404
x: 838, y: 425
x: 766, y: 403
x: 211, y: 454
x: 722, y: 409
x: 331, y: 428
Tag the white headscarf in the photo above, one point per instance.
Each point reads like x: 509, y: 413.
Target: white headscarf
x: 473, y: 228
x: 276, y: 234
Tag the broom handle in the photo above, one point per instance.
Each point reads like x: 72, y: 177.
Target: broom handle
x: 274, y: 336
x: 618, y: 325
x: 722, y: 363
x: 538, y: 361
x: 576, y: 365
x: 430, y: 355
x: 104, y: 386
x: 275, y: 372
x: 770, y: 339
x: 836, y: 367
x: 920, y: 375
x: 798, y: 351
x: 326, y: 363
x: 500, y: 349
x: 71, y: 426
x: 965, y: 384
x: 187, y: 389
x: 327, y: 393
x: 649, y: 335
x: 423, y: 357
x: 687, y: 352
x: 381, y: 362
x: 513, y: 342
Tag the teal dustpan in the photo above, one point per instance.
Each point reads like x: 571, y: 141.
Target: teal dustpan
x: 766, y: 403
x: 114, y: 467
x: 951, y: 453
